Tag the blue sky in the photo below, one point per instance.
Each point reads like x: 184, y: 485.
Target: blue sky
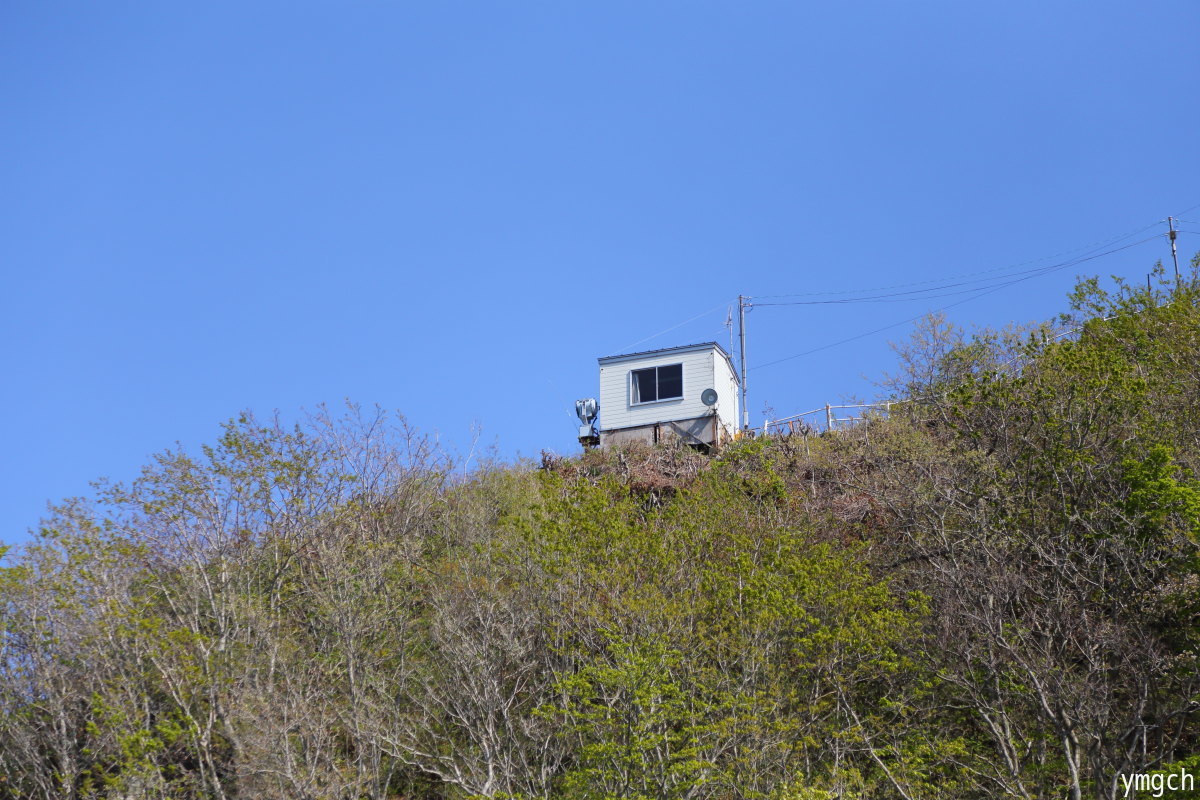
x: 452, y: 209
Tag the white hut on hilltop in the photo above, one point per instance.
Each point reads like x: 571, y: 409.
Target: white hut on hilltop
x: 688, y: 393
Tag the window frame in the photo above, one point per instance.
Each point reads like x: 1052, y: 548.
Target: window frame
x: 633, y: 393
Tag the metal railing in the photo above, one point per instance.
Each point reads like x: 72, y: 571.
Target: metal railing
x: 797, y: 423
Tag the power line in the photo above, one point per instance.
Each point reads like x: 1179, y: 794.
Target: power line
x: 1087, y: 247
x: 917, y: 294
x: 627, y: 347
x: 924, y: 293
x: 914, y: 294
x: 875, y: 331
x: 980, y: 292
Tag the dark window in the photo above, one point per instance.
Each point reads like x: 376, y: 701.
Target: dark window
x: 658, y: 383
x: 670, y: 381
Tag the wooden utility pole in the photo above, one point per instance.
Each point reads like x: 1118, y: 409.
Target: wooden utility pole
x: 1174, y: 249
x: 742, y: 303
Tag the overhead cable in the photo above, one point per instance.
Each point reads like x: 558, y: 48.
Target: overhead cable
x: 628, y: 347
x: 1086, y: 248
x: 917, y: 294
x: 981, y: 292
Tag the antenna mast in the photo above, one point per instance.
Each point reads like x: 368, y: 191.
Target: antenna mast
x: 729, y: 326
x: 742, y: 303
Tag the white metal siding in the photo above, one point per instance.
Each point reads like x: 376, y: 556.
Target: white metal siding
x: 617, y: 410
x: 727, y: 394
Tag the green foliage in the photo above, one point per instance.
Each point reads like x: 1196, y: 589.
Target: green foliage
x: 709, y: 644
x: 1157, y: 495
x: 639, y: 735
x: 990, y: 591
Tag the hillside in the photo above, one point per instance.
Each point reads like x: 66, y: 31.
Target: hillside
x: 991, y: 591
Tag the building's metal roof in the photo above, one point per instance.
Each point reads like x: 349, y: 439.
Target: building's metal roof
x: 680, y: 349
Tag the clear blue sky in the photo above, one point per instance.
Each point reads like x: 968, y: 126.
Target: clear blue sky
x: 452, y: 209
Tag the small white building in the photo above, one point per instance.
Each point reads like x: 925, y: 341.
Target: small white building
x: 688, y: 393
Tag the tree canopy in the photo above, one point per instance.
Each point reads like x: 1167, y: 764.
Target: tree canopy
x: 991, y: 591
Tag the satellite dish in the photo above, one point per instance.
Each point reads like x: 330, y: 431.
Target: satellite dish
x: 709, y: 397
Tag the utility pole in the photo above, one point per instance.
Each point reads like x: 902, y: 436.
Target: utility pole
x: 742, y: 303
x: 1174, y: 250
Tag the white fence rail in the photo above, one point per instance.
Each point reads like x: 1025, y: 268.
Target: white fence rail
x: 825, y: 418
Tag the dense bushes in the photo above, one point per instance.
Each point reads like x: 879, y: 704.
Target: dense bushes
x: 993, y: 592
